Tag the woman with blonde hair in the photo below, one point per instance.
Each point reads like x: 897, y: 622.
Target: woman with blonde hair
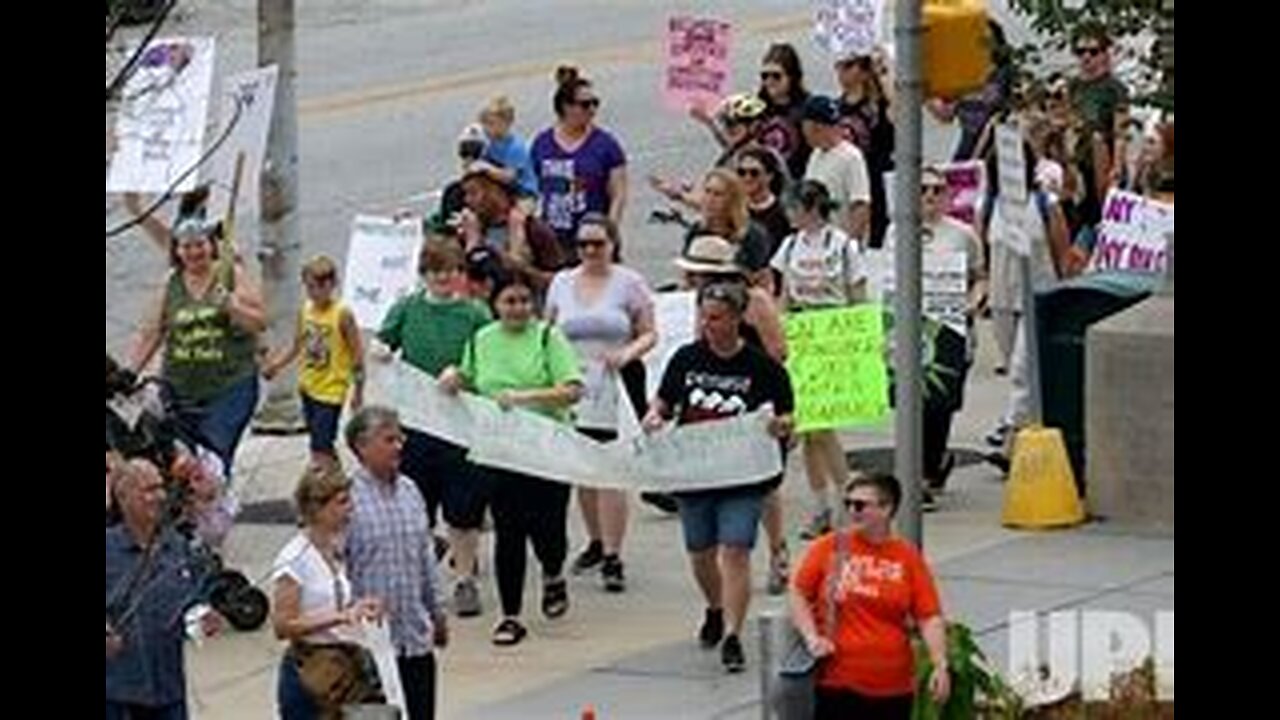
x: 726, y: 213
x: 313, y: 606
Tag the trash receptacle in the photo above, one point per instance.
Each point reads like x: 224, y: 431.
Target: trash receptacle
x: 1063, y: 314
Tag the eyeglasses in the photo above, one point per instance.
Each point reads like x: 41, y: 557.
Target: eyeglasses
x: 1088, y: 51
x: 768, y: 75
x: 588, y: 103
x: 858, y: 505
x: 750, y: 172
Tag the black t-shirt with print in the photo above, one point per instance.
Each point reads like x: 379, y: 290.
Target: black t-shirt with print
x: 701, y: 386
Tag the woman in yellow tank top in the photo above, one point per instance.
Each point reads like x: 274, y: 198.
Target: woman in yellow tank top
x: 329, y: 342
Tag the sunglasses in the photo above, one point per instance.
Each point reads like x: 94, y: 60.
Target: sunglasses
x: 588, y: 104
x: 1088, y: 51
x: 750, y: 172
x: 770, y: 75
x: 932, y: 190
x: 591, y: 243
x: 858, y: 505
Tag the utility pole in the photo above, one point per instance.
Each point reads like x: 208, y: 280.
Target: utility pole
x: 908, y: 459
x: 281, y: 247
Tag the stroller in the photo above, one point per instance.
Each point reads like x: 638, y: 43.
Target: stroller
x: 142, y: 421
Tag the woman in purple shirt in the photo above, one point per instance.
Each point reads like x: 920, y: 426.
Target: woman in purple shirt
x: 581, y: 168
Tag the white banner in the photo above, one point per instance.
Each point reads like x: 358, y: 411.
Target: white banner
x: 724, y: 453
x: 255, y: 91
x: 382, y: 266
x: 675, y: 317
x: 945, y: 281
x: 421, y: 403
x: 163, y: 111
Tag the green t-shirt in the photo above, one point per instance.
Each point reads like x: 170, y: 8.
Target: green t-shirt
x: 1097, y: 102
x: 205, y: 352
x: 537, y: 357
x: 431, y: 333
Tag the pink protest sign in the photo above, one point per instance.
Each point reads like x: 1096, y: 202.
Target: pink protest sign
x: 965, y: 182
x: 697, y: 62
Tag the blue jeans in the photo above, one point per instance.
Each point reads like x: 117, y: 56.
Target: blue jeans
x: 292, y: 700
x: 127, y: 711
x: 221, y: 422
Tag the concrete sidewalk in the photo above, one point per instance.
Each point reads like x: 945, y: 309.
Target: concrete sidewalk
x: 634, y: 655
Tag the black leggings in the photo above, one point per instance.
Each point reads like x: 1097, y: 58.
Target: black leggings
x: 846, y: 705
x: 937, y: 431
x: 526, y: 509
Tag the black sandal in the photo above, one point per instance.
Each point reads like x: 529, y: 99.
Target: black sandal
x: 509, y: 632
x: 555, y: 598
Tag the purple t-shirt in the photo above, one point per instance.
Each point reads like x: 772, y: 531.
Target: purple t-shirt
x: 573, y: 184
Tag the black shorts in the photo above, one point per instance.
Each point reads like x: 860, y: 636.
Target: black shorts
x: 446, y: 479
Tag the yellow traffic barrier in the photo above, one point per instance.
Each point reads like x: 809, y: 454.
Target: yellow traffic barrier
x: 1041, y: 489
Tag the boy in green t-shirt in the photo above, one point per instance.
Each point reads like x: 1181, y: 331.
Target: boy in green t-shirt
x: 430, y: 328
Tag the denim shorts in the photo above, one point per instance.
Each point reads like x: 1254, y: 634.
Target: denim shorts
x: 322, y: 423
x: 721, y: 517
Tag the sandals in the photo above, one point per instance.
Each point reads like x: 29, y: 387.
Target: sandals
x: 509, y: 632
x: 555, y: 598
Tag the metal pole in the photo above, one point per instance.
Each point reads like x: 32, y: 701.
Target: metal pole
x: 908, y: 419
x: 1030, y: 336
x: 280, y: 249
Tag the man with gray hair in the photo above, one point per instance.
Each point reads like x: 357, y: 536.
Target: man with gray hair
x: 390, y: 554
x: 151, y: 585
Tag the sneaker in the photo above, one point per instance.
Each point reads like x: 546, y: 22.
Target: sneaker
x: 731, y: 654
x: 779, y: 572
x: 611, y: 571
x: 819, y: 524
x: 712, y: 629
x: 661, y: 501
x: 944, y: 471
x: 466, y: 599
x: 592, y: 556
x: 442, y: 547
x: 999, y: 460
x: 928, y: 503
x: 555, y: 598
x: 997, y: 437
x: 509, y: 632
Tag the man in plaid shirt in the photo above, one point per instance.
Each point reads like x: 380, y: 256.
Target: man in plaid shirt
x: 390, y: 554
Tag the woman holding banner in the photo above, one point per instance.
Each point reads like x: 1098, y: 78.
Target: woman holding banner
x: 709, y: 260
x: 717, y: 377
x: 821, y: 267
x: 520, y: 361
x: 606, y: 311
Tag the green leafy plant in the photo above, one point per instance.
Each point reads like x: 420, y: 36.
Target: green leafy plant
x: 977, y: 690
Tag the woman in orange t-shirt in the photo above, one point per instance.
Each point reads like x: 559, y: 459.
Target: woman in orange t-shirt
x: 867, y: 668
